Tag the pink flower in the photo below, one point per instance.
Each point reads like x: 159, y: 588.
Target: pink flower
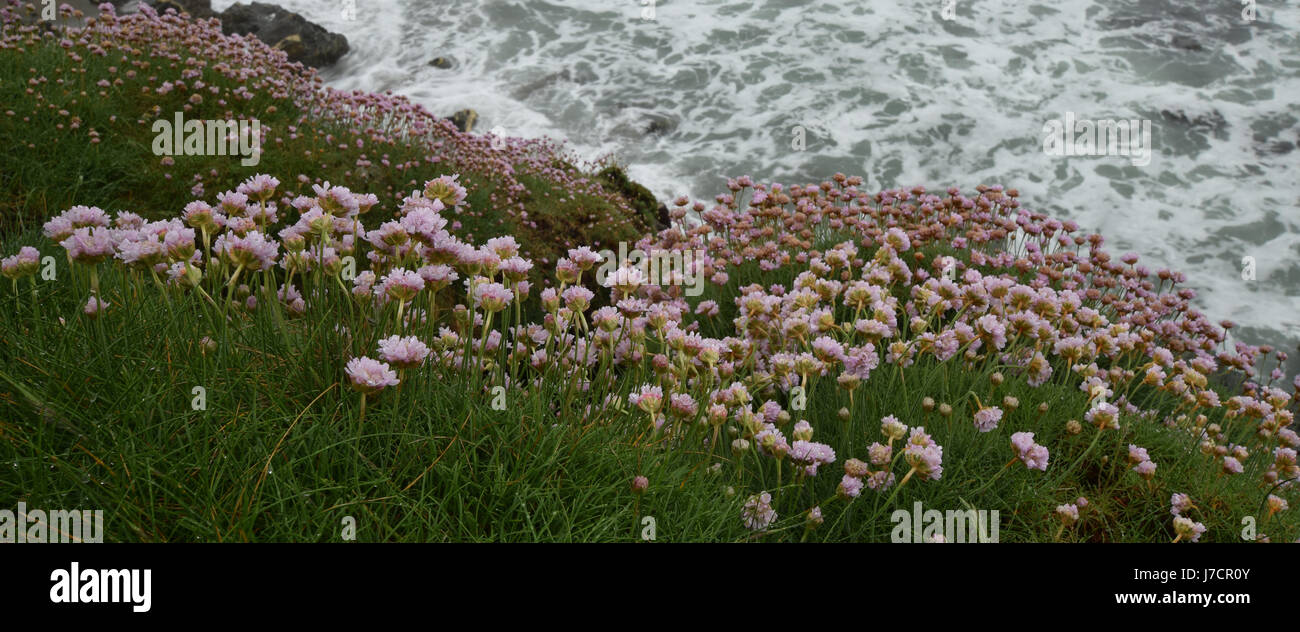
x: 403, y: 353
x: 515, y: 269
x: 584, y: 258
x: 253, y: 251
x: 292, y: 300
x: 494, y: 297
x: 577, y: 298
x: 926, y: 460
x: 95, y: 306
x: 1034, y: 456
x: 1187, y: 529
x: 23, y: 264
x: 446, y: 189
x: 1103, y: 415
x: 987, y: 419
x: 757, y: 513
x: 503, y: 247
x: 90, y: 246
x: 370, y: 376
x: 401, y: 284
x: 259, y: 187
x: 438, y: 276
x: 337, y: 201
x: 811, y: 454
x: 63, y: 225
x: 649, y: 398
x: 850, y: 486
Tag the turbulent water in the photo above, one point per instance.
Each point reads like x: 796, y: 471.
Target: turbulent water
x: 896, y: 91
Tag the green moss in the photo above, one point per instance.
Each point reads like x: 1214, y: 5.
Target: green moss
x: 614, y: 178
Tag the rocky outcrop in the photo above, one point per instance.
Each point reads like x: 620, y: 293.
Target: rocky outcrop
x: 303, y: 41
x: 614, y: 178
x: 464, y: 120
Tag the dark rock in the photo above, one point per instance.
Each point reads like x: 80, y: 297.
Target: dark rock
x: 464, y: 120
x: 441, y: 62
x: 1186, y: 42
x: 1281, y: 147
x: 303, y: 41
x: 1213, y: 121
x: 639, y: 119
x: 657, y: 124
x: 638, y: 197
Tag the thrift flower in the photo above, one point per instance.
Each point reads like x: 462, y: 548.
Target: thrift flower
x: 757, y: 513
x: 1034, y: 456
x: 1187, y: 529
x: 403, y: 353
x: 1069, y: 514
x: 987, y: 419
x: 370, y: 376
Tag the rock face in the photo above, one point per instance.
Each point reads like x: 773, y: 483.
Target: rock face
x: 464, y: 120
x: 641, y: 200
x: 303, y: 41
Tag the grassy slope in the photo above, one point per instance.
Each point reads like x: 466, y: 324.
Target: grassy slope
x: 97, y: 413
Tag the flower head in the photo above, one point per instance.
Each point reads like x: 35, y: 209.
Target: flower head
x: 757, y: 513
x: 403, y: 352
x: 494, y: 297
x: 95, y: 306
x: 926, y: 460
x: 649, y: 399
x: 639, y: 484
x: 987, y: 419
x: 23, y: 264
x: 369, y: 375
x: 401, y: 284
x: 90, y: 246
x: 1188, y: 529
x: 1034, y: 456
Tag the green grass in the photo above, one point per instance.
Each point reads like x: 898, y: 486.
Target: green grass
x: 99, y: 413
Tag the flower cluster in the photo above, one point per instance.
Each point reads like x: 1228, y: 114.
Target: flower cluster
x: 866, y: 310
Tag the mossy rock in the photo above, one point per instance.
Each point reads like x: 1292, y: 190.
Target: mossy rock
x: 464, y: 120
x: 615, y: 179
